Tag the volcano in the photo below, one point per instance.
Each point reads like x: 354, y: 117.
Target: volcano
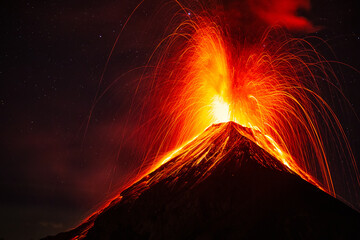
x: 221, y: 185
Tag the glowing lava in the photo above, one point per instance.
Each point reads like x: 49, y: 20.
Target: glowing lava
x: 220, y: 110
x: 202, y: 76
x: 272, y: 86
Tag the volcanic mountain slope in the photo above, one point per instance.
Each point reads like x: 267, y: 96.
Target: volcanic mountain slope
x: 222, y: 186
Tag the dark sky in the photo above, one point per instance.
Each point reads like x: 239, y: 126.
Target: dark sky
x: 52, y: 171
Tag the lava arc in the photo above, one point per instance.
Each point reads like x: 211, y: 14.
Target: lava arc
x: 267, y: 91
x: 272, y: 86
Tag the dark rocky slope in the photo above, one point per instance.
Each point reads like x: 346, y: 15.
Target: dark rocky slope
x: 222, y: 186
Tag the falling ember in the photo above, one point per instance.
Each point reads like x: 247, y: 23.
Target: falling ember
x: 201, y: 75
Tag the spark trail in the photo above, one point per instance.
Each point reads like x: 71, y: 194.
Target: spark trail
x: 272, y: 87
x: 201, y: 75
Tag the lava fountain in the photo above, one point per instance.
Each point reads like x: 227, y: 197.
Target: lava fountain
x: 201, y: 75
x: 204, y: 76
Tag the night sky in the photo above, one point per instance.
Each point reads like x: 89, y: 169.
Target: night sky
x: 55, y: 168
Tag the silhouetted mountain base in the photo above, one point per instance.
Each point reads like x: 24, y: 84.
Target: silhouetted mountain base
x: 223, y: 186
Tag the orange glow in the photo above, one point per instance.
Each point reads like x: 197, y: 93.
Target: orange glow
x: 202, y: 76
x: 270, y: 87
x: 220, y: 110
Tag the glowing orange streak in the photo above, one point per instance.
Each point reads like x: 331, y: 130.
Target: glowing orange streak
x: 267, y: 91
x: 271, y: 96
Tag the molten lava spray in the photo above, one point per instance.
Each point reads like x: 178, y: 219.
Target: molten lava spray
x: 202, y: 74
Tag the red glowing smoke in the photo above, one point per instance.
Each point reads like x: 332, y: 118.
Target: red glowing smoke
x: 283, y: 13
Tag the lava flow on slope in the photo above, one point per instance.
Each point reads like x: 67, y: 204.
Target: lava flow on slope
x: 262, y: 168
x: 220, y: 185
